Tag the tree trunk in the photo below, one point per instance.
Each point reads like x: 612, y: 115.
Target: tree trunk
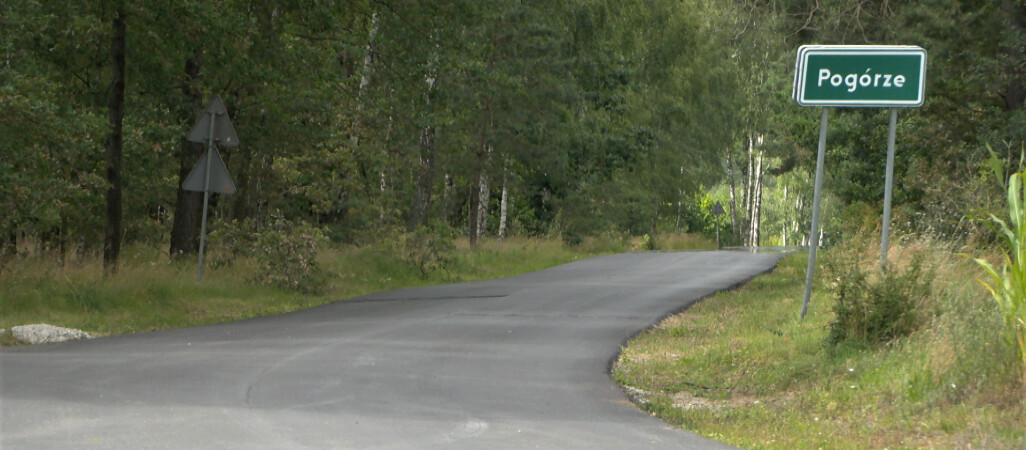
x: 478, y: 177
x: 421, y: 201
x: 343, y: 56
x: 502, y: 205
x: 783, y: 225
x: 247, y: 173
x: 733, y: 196
x: 115, y: 116
x: 680, y: 204
x: 185, y: 228
x: 383, y: 177
x: 10, y: 247
x: 756, y: 202
x: 483, y: 194
x: 474, y: 223
x: 480, y: 152
x: 447, y: 198
x: 365, y: 71
x: 474, y: 207
x: 62, y: 243
x: 749, y: 185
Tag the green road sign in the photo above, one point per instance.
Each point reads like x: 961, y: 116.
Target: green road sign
x: 860, y: 75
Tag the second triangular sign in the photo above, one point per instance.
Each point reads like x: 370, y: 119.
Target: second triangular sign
x: 220, y: 181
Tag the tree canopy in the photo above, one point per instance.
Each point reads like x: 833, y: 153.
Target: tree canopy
x: 500, y: 116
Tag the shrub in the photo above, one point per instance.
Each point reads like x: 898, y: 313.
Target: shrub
x: 429, y: 248
x: 572, y: 239
x: 286, y: 252
x: 879, y: 309
x: 231, y: 240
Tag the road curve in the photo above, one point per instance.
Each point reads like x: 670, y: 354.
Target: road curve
x: 518, y: 362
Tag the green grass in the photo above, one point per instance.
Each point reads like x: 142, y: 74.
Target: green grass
x: 740, y: 367
x: 150, y: 292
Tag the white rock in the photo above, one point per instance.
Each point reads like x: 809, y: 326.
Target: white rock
x: 41, y: 333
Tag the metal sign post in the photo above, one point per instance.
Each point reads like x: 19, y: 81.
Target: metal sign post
x: 210, y: 174
x: 717, y: 211
x: 814, y: 227
x: 888, y: 188
x: 861, y: 76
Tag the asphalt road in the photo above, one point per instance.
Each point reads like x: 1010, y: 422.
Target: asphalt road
x: 518, y: 362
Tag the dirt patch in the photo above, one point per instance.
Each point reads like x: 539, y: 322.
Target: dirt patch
x: 688, y: 401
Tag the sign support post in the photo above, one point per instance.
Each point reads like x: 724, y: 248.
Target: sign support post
x: 717, y: 211
x: 206, y: 199
x: 210, y: 174
x: 888, y: 188
x: 860, y: 76
x: 816, y: 194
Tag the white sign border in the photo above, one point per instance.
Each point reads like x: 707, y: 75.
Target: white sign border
x: 798, y: 88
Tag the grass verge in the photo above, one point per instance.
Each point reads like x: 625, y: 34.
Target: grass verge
x: 739, y: 367
x: 151, y: 293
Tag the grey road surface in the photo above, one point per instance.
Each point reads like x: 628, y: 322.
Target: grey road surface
x: 518, y: 362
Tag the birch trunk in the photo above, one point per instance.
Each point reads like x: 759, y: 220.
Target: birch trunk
x: 756, y: 201
x: 733, y: 198
x: 365, y: 72
x: 749, y: 193
x: 383, y: 175
x: 482, y: 211
x: 680, y: 201
x: 480, y: 152
x: 474, y: 224
x: 502, y: 205
x: 354, y: 132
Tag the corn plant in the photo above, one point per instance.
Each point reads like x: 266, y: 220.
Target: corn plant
x: 1008, y: 285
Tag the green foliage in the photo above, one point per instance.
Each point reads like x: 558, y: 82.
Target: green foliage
x: 879, y: 309
x: 572, y: 238
x: 230, y: 242
x: 582, y: 116
x: 596, y: 115
x: 286, y: 255
x: 1007, y: 286
x: 428, y: 249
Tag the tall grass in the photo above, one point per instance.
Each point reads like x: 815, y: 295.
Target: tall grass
x: 1008, y: 285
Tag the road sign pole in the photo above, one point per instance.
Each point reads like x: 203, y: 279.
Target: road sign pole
x: 813, y: 233
x: 888, y: 189
x: 206, y: 199
x: 718, y: 233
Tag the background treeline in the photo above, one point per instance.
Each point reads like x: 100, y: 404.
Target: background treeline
x: 499, y: 117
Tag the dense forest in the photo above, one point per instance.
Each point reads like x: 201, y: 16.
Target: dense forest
x: 489, y: 118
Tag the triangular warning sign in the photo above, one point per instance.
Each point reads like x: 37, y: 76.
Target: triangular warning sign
x: 717, y: 209
x: 220, y: 181
x: 224, y: 132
